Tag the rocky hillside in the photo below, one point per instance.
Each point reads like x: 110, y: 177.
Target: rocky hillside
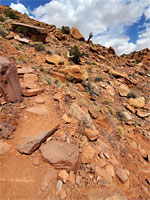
x: 75, y: 117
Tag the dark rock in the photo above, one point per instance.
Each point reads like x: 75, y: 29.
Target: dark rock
x: 9, y: 84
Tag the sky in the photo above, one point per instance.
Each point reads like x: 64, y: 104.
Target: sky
x: 122, y: 24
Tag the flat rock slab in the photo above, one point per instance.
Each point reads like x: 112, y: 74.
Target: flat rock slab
x: 61, y: 155
x: 32, y: 92
x: 29, y: 143
x: 40, y: 110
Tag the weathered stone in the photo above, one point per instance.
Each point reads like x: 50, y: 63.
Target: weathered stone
x: 61, y: 155
x: 4, y: 147
x: 32, y: 92
x: 142, y: 114
x: 59, y: 35
x: 63, y: 176
x: 127, y: 116
x: 104, y: 174
x: 28, y: 144
x: 75, y: 33
x: 93, y: 113
x: 138, y: 102
x: 88, y: 153
x: 118, y: 74
x: 34, y: 32
x: 123, y: 90
x: 91, y: 134
x: 75, y: 72
x: 72, y: 177
x: 110, y: 90
x: 22, y: 40
x: 55, y: 59
x: 110, y: 170
x: 111, y: 50
x: 58, y: 75
x: 9, y: 81
x: 122, y: 174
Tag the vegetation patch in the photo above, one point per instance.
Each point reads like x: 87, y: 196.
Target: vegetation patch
x: 131, y: 95
x: 11, y: 14
x: 75, y: 54
x: 65, y: 29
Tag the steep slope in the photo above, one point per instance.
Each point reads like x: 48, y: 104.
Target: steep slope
x: 82, y: 130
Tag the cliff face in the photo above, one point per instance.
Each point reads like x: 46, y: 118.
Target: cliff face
x: 82, y: 129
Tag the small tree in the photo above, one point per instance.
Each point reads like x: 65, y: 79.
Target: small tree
x: 90, y: 36
x: 65, y: 29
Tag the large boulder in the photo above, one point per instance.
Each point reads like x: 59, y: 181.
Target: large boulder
x: 75, y: 72
x: 75, y: 33
x: 61, y: 155
x: 33, y: 32
x: 9, y: 81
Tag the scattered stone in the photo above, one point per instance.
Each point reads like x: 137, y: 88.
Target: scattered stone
x: 22, y: 40
x: 59, y: 185
x: 102, y: 162
x: 28, y: 144
x: 127, y: 116
x: 88, y: 154
x: 32, y: 92
x: 58, y: 75
x: 66, y: 119
x: 40, y: 100
x: 36, y: 161
x: 34, y: 32
x: 104, y: 174
x: 62, y: 194
x: 72, y: 177
x: 91, y: 134
x: 55, y: 59
x: 130, y: 108
x: 25, y: 70
x: 78, y: 180
x: 4, y: 147
x: 123, y: 90
x: 75, y: 33
x: 121, y: 174
x: 75, y: 73
x: 142, y: 114
x: 138, y: 102
x: 63, y: 176
x: 9, y: 81
x: 93, y: 113
x: 134, y: 145
x: 110, y: 170
x: 107, y: 156
x: 110, y: 90
x: 118, y: 74
x: 61, y: 155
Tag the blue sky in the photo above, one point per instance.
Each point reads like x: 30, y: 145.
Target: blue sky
x: 123, y: 24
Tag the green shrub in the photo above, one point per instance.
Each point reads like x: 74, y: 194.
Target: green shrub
x: 131, y: 95
x: 2, y: 19
x: 98, y: 79
x: 65, y: 29
x: 120, y: 116
x: 11, y: 14
x: 138, y: 61
x: 39, y: 46
x: 48, y: 80
x: 75, y: 54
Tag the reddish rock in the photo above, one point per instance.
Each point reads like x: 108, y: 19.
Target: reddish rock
x: 9, y: 81
x: 88, y: 154
x: 63, y: 176
x: 32, y: 92
x: 61, y: 155
x: 111, y: 50
x: 4, y: 147
x: 91, y: 134
x: 28, y: 144
x: 75, y: 33
x: 60, y: 36
x: 122, y: 175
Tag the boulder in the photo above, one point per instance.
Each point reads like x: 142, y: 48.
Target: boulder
x: 88, y: 154
x: 55, y: 59
x: 138, y: 102
x: 75, y: 33
x: 29, y: 143
x: 75, y: 72
x: 123, y: 90
x: 91, y: 134
x: 32, y: 92
x: 122, y: 175
x: 143, y: 114
x: 33, y: 32
x: 9, y: 81
x: 61, y: 155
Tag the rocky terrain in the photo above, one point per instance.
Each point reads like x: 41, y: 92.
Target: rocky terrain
x: 74, y: 116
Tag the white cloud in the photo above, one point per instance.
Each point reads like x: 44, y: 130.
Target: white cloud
x: 19, y: 7
x: 107, y: 19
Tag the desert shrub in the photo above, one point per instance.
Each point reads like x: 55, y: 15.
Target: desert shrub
x: 98, y: 79
x: 11, y: 14
x: 2, y: 19
x: 49, y: 52
x: 3, y: 32
x: 48, y: 80
x: 75, y: 54
x: 120, y: 116
x: 65, y: 29
x: 39, y: 46
x: 138, y: 61
x: 131, y: 95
